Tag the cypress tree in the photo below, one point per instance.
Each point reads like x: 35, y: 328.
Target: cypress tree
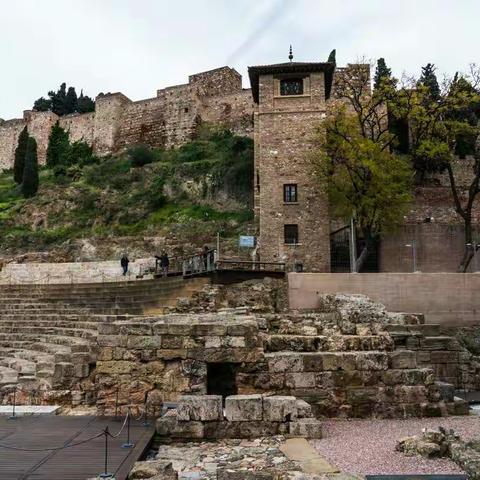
x: 382, y: 73
x: 71, y: 102
x: 332, y: 56
x: 58, y: 144
x: 429, y: 80
x: 42, y: 104
x: 30, y: 171
x: 59, y: 100
x: 85, y: 103
x: 20, y: 152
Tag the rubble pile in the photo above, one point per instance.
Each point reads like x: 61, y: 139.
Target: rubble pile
x: 443, y: 443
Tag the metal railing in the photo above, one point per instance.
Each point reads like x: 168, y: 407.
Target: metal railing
x: 250, y: 265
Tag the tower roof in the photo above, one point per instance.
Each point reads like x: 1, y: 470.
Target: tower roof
x: 291, y: 67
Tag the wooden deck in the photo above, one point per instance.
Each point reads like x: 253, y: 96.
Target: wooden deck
x: 75, y: 463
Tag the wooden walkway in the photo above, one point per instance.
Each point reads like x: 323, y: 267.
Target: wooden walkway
x: 79, y: 462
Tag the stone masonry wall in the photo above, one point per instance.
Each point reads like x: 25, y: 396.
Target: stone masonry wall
x: 284, y: 128
x: 9, y: 132
x: 342, y: 365
x: 166, y: 121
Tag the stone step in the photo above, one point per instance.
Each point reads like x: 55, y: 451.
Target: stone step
x: 8, y: 376
x: 318, y: 343
x: 22, y: 366
x: 42, y: 330
x: 87, y: 326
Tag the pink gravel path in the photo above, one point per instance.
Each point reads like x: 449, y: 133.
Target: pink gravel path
x: 367, y: 447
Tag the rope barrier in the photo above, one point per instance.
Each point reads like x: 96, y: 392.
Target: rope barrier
x: 49, y: 449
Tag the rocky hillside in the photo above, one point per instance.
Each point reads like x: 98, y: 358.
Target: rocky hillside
x: 139, y: 201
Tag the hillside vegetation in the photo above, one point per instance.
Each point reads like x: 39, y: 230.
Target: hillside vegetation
x: 192, y: 192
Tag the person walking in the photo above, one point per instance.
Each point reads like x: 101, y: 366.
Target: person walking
x: 164, y: 263
x: 124, y: 261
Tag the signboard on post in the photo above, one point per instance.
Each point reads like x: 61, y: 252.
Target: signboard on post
x: 247, y: 241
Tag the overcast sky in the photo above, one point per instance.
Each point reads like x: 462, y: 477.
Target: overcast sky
x: 137, y: 46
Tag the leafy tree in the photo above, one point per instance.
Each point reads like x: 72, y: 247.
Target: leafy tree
x: 63, y: 102
x: 429, y: 80
x: 20, y: 153
x: 382, y: 73
x: 85, y: 104
x: 42, y: 105
x: 30, y: 172
x: 364, y: 179
x: 71, y: 102
x: 436, y: 124
x: 58, y: 145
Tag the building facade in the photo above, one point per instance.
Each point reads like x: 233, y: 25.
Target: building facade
x: 291, y: 209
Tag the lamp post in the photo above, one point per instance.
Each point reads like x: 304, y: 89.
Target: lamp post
x: 413, y: 246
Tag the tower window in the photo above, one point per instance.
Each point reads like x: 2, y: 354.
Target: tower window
x: 290, y: 193
x: 291, y: 234
x: 291, y: 86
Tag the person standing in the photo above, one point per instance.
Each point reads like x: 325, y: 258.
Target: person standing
x: 124, y: 261
x: 164, y: 263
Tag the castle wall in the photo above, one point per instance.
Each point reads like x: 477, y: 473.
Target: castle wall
x: 79, y: 126
x: 219, y: 81
x: 39, y: 126
x: 234, y: 111
x: 9, y: 132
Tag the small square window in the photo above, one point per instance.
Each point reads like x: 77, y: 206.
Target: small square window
x: 185, y: 109
x: 291, y: 86
x: 290, y: 193
x: 291, y: 234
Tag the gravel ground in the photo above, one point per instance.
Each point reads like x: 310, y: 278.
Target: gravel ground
x: 367, y: 447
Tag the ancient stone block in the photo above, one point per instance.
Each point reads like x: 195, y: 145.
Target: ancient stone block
x: 400, y: 359
x: 304, y: 410
x: 279, y: 408
x: 158, y: 469
x: 306, y: 427
x: 312, y: 362
x: 338, y: 361
x: 443, y: 357
x: 300, y: 380
x: 371, y: 361
x: 244, y: 408
x: 200, y: 407
x: 127, y: 328
x: 284, y: 362
x: 144, y: 342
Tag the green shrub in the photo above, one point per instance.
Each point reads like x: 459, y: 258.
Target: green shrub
x: 141, y: 155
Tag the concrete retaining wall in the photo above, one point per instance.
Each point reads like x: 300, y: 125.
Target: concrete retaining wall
x: 75, y: 272
x: 445, y: 298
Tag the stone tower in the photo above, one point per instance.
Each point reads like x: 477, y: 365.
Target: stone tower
x: 290, y: 209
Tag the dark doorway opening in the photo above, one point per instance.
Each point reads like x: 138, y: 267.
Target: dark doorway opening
x: 221, y: 379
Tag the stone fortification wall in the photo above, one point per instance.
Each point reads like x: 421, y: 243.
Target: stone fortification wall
x: 166, y: 121
x: 9, y: 132
x: 79, y: 126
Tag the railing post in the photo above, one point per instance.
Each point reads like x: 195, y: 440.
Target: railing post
x: 116, y: 404
x: 13, y: 416
x: 105, y: 473
x: 128, y: 444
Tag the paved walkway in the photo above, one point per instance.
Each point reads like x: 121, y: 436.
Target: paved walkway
x: 74, y: 463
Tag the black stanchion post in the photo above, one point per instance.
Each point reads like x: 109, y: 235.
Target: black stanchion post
x: 105, y: 473
x: 116, y: 405
x: 145, y: 423
x: 128, y: 444
x: 13, y: 416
